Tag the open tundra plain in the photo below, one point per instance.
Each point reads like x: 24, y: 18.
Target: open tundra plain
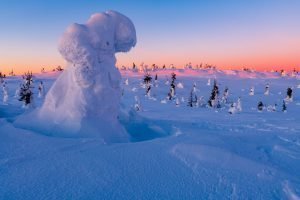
x: 175, y: 151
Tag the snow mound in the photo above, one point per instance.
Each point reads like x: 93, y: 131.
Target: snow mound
x: 84, y: 100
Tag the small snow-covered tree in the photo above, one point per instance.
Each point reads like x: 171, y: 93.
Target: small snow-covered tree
x: 289, y: 95
x: 126, y: 82
x: 156, y: 80
x: 193, y: 99
x: 28, y: 78
x: 182, y: 99
x: 137, y: 104
x: 59, y: 69
x: 147, y: 79
x: 172, y: 92
x: 173, y: 77
x: 148, y: 90
x: 18, y: 91
x: 41, y: 90
x: 147, y: 82
x: 180, y: 85
x: 239, y: 105
x: 213, y: 100
x: 284, y: 108
x: 267, y: 89
x: 225, y: 95
x: 260, y: 106
x: 232, y: 109
x: 2, y: 76
x: 208, y: 82
x: 201, y: 102
x: 133, y: 66
x: 251, y: 93
x: 26, y: 95
x: 177, y: 102
x: 272, y: 108
x: 5, y: 93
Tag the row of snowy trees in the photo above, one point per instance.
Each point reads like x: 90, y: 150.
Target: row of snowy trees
x: 154, y: 67
x: 24, y: 92
x: 215, y: 100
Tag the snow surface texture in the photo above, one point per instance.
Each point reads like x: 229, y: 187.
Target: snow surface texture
x: 84, y: 100
x: 177, y: 152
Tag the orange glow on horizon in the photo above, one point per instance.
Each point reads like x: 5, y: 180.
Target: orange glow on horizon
x: 257, y: 62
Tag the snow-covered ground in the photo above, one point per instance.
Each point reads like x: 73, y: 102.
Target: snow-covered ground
x: 175, y: 152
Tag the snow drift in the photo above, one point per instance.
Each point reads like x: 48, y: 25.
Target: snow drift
x: 84, y: 100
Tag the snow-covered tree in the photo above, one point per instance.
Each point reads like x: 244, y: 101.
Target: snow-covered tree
x: 193, y: 99
x: 251, y: 93
x: 18, y: 91
x: 28, y: 78
x: 225, y: 95
x: 87, y: 95
x: 260, y: 106
x: 156, y: 80
x: 41, y: 89
x: 239, y: 105
x: 213, y: 100
x: 180, y: 85
x: 289, y: 95
x: 5, y: 93
x: 147, y: 82
x: 208, y: 82
x: 137, y: 104
x: 26, y: 94
x: 272, y: 108
x: 173, y: 77
x: 267, y: 89
x: 232, y: 109
x: 182, y: 99
x: 126, y: 81
x: 284, y: 108
x: 2, y: 76
x: 177, y: 102
x: 59, y: 69
x: 171, y: 94
x: 201, y: 102
x: 133, y: 66
x: 148, y: 90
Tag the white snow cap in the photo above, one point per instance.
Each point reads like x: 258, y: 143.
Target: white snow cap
x: 109, y: 32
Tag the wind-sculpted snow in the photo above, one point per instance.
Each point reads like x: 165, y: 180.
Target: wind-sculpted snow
x: 84, y: 100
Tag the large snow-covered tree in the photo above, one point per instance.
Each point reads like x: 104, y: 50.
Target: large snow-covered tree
x: 85, y: 99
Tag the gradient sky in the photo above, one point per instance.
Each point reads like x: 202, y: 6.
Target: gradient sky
x: 259, y: 34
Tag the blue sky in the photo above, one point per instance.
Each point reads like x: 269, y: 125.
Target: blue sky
x: 228, y: 33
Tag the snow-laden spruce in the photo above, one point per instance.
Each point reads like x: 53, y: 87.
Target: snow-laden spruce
x: 84, y: 100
